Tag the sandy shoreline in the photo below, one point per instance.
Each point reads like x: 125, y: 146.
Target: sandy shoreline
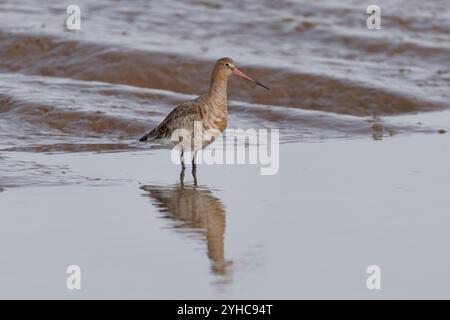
x: 309, y: 232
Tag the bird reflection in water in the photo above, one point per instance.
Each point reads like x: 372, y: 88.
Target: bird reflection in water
x: 196, y: 210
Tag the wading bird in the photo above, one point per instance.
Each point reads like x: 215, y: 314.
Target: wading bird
x: 181, y: 126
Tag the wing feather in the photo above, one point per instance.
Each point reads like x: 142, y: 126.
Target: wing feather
x: 183, y: 116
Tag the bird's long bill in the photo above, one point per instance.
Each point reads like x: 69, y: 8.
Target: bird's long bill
x: 242, y: 75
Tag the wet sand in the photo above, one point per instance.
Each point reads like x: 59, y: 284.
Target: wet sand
x: 309, y: 232
x: 131, y: 63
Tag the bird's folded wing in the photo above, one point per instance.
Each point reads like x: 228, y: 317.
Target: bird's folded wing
x: 182, y: 117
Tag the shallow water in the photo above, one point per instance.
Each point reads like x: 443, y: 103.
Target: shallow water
x: 308, y: 232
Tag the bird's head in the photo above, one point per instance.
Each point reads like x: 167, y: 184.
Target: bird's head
x: 228, y: 66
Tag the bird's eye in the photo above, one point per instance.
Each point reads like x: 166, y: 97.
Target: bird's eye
x: 227, y: 64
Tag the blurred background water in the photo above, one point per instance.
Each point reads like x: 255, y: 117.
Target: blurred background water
x: 132, y: 61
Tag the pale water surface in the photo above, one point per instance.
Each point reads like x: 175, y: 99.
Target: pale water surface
x: 308, y: 232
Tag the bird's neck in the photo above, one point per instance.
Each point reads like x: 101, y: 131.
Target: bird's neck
x: 218, y: 88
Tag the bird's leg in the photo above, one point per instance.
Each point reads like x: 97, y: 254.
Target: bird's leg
x: 193, y: 158
x: 194, y: 174
x: 182, y: 159
x: 182, y: 178
x: 194, y: 168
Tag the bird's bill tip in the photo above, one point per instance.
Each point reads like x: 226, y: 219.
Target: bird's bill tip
x: 242, y: 75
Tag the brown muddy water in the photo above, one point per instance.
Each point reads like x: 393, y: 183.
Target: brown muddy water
x: 72, y: 105
x: 99, y: 88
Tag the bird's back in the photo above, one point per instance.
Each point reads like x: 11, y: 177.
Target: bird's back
x: 212, y: 117
x: 182, y: 117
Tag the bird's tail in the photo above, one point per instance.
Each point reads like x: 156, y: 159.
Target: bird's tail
x: 144, y: 138
x: 150, y: 135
